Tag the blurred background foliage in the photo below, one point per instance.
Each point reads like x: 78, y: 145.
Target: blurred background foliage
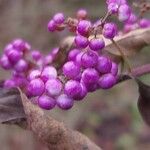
x: 109, y: 118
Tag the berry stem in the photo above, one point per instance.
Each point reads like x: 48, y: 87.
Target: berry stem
x: 123, y: 56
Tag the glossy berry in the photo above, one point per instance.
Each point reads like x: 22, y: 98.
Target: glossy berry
x: 64, y: 102
x: 96, y: 44
x: 109, y: 30
x: 81, y: 41
x: 59, y: 18
x: 36, y: 87
x: 104, y: 64
x: 73, y: 53
x: 53, y: 87
x: 132, y: 19
x: 46, y: 102
x: 36, y: 55
x: 72, y: 89
x: 48, y: 73
x: 19, y: 44
x: 89, y: 59
x: 90, y: 75
x: 21, y: 66
x: 107, y: 81
x: 84, y: 27
x: 82, y: 94
x: 144, y: 23
x: 14, y: 55
x: 71, y: 70
x: 51, y: 26
x: 5, y: 63
x: 34, y: 74
x: 79, y: 58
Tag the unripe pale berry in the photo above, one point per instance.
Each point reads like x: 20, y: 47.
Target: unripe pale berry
x: 110, y: 30
x: 89, y: 59
x: 72, y: 89
x: 46, y: 102
x: 96, y: 44
x: 71, y: 70
x: 83, y: 27
x: 81, y: 41
x: 53, y: 87
x: 36, y: 87
x: 48, y: 72
x: 107, y: 81
x: 104, y: 64
x: 59, y: 18
x: 64, y: 102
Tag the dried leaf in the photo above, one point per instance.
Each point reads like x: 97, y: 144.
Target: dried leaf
x: 11, y: 108
x: 144, y: 101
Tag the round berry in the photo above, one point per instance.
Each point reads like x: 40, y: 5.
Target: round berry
x: 64, y: 102
x: 51, y: 26
x: 72, y: 89
x: 59, y: 18
x: 71, y: 70
x: 5, y: 63
x: 96, y: 44
x: 9, y: 83
x: 89, y: 59
x: 144, y: 23
x: 79, y: 58
x: 114, y: 69
x: 21, y: 66
x: 83, y: 27
x: 107, y: 81
x: 36, y: 87
x: 34, y: 74
x: 81, y: 14
x: 73, y: 53
x: 46, y: 102
x: 36, y: 55
x: 104, y: 64
x: 81, y: 41
x: 132, y: 19
x: 53, y: 87
x: 83, y: 93
x: 90, y: 75
x: 113, y: 8
x: 109, y: 30
x: 19, y: 44
x: 48, y: 72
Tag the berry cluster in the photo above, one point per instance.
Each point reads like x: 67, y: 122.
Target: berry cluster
x: 86, y: 68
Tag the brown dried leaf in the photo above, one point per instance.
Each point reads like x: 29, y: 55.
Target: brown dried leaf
x: 11, y: 108
x: 144, y: 101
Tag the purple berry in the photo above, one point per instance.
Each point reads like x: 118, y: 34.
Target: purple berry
x: 36, y: 55
x: 81, y: 14
x: 144, y: 23
x: 51, y: 26
x: 59, y: 18
x: 81, y: 41
x: 109, y: 30
x: 48, y: 59
x: 72, y: 89
x: 90, y: 75
x: 71, y: 70
x: 89, y: 59
x: 124, y: 12
x: 21, y: 66
x: 5, y: 63
x: 113, y: 8
x: 8, y: 48
x: 96, y: 44
x: 14, y: 56
x: 73, y: 53
x: 53, y: 87
x: 18, y: 44
x: 83, y: 93
x: 83, y: 27
x: 107, y: 81
x: 9, y: 83
x: 64, y: 102
x: 34, y: 74
x: 46, y: 102
x: 48, y: 73
x: 132, y: 19
x: 36, y: 87
x: 79, y: 58
x: 104, y: 64
x: 114, y: 69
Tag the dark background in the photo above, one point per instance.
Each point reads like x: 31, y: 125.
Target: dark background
x: 110, y: 118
